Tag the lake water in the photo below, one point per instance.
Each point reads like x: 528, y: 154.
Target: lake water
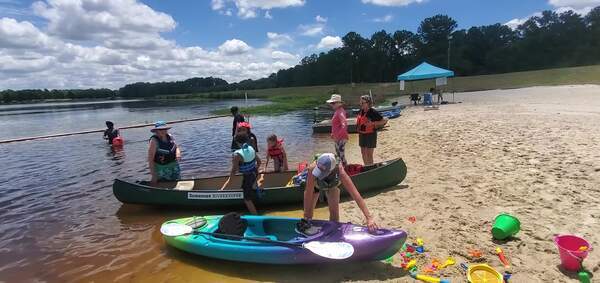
x: 60, y: 221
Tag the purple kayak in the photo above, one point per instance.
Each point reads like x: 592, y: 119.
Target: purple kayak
x: 281, y: 244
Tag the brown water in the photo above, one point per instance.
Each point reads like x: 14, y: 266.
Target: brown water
x: 61, y: 223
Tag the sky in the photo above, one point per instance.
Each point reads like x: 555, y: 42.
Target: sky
x: 110, y: 43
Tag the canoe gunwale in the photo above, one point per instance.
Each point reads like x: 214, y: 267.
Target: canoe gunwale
x: 140, y: 185
x: 387, y: 174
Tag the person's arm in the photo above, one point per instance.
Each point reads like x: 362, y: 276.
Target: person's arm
x: 285, y: 161
x: 309, y: 193
x: 258, y: 161
x: 235, y: 164
x: 381, y: 122
x: 177, y: 153
x: 151, y: 153
x: 353, y: 192
x: 376, y: 119
x: 267, y: 162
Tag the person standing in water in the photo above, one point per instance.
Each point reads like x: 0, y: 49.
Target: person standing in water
x: 339, y: 127
x: 245, y: 128
x: 246, y: 162
x: 237, y: 118
x: 326, y: 175
x: 163, y: 155
x: 110, y: 133
x: 367, y: 122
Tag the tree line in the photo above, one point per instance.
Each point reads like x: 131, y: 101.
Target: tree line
x: 549, y: 40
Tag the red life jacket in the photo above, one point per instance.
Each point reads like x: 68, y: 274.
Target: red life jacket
x: 361, y: 121
x: 277, y: 150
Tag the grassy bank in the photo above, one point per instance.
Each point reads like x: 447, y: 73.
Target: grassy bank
x: 295, y: 98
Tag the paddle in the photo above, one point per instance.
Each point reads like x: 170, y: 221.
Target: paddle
x: 331, y: 250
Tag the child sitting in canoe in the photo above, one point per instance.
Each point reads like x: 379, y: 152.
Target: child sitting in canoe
x: 246, y: 162
x: 276, y: 152
x: 326, y: 174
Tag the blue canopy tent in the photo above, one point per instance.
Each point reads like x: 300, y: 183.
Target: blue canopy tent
x: 425, y: 71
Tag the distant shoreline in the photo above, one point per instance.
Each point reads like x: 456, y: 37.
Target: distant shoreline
x: 307, y: 97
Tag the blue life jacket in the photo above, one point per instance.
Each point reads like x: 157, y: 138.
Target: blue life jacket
x: 248, y: 154
x: 165, y: 151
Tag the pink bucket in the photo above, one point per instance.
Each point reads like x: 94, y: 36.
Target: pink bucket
x: 571, y: 256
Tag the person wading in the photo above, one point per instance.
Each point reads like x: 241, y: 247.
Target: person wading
x: 163, y: 155
x: 237, y: 118
x: 110, y: 133
x: 246, y: 162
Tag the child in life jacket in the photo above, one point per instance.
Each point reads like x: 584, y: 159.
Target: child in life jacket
x: 276, y: 152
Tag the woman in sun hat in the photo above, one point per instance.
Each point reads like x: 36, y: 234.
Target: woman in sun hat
x: 339, y: 126
x: 326, y: 174
x: 163, y: 154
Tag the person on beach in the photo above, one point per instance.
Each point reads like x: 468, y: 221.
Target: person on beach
x: 326, y: 174
x: 367, y: 122
x: 276, y: 152
x: 110, y: 133
x: 339, y: 127
x: 440, y: 97
x: 237, y: 118
x: 246, y: 162
x: 163, y: 154
x: 245, y: 128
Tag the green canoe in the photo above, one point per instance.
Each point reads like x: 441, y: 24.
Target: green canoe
x: 204, y: 192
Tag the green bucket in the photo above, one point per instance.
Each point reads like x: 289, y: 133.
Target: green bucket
x: 505, y: 225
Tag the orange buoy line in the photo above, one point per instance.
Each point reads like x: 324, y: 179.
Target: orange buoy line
x: 102, y: 130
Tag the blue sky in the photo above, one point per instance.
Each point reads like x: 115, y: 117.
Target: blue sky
x: 198, y: 24
x: 109, y: 43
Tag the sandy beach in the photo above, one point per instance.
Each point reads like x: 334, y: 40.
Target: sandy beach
x: 533, y: 153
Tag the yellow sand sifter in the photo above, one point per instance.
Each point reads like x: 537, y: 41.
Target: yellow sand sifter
x: 483, y: 273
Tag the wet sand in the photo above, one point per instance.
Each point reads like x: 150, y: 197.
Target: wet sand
x: 533, y: 153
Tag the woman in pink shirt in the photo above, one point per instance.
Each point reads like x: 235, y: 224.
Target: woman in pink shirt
x: 339, y: 127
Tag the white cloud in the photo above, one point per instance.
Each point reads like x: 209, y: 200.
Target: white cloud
x: 320, y: 19
x: 89, y: 19
x: 330, y: 42
x: 582, y: 11
x: 234, y: 47
x: 268, y: 15
x: 248, y: 8
x: 21, y: 34
x: 112, y: 50
x: 280, y: 55
x: 392, y: 2
x: 277, y: 40
x: 576, y: 4
x: 312, y: 29
x: 385, y: 19
x: 582, y: 7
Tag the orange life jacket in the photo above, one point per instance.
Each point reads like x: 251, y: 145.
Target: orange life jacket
x: 277, y: 150
x: 361, y: 121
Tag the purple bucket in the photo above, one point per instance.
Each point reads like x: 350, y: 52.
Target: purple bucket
x: 569, y: 249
